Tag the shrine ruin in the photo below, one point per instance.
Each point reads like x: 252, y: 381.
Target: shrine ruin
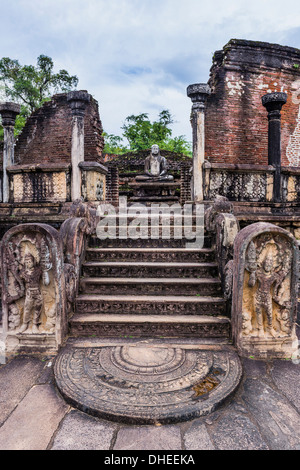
x: 148, y: 275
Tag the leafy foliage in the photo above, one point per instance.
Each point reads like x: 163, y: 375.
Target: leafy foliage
x: 32, y: 85
x: 141, y: 134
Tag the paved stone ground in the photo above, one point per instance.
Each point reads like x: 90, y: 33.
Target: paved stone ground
x: 264, y: 414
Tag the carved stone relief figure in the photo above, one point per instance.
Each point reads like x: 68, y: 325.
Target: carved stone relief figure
x: 268, y: 263
x: 33, y: 287
x: 28, y: 272
x: 264, y: 295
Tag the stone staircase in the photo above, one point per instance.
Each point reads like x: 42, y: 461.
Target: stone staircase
x: 149, y: 340
x: 152, y: 288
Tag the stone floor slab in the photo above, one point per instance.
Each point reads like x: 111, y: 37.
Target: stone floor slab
x: 79, y: 431
x: 34, y: 421
x: 16, y: 379
x: 277, y: 419
x: 197, y: 438
x: 149, y: 438
x: 235, y: 431
x: 286, y: 377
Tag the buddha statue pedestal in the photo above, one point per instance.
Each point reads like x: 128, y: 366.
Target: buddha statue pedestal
x: 154, y: 191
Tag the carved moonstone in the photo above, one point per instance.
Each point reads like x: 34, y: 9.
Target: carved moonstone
x: 142, y: 384
x: 264, y: 297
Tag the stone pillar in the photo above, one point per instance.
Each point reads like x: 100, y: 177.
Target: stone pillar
x: 9, y: 112
x: 198, y: 94
x: 273, y: 102
x: 78, y: 101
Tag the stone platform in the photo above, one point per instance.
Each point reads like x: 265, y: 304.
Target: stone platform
x: 146, y: 384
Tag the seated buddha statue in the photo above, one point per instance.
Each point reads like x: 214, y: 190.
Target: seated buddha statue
x: 155, y: 167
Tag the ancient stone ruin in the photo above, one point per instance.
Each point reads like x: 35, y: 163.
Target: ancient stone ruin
x: 148, y: 275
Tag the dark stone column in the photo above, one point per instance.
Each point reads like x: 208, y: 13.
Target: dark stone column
x: 9, y: 112
x: 78, y: 101
x: 273, y: 103
x: 198, y: 94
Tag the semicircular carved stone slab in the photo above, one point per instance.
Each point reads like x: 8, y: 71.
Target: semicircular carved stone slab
x: 33, y: 288
x: 264, y: 297
x: 141, y: 384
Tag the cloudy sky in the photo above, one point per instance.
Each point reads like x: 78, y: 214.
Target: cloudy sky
x: 139, y: 56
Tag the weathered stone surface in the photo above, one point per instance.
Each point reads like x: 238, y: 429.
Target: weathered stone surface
x: 33, y: 288
x: 235, y: 431
x: 254, y: 369
x: 34, y: 421
x: 79, y: 431
x: 227, y: 228
x: 264, y: 298
x: 148, y: 438
x: 286, y: 377
x: 197, y: 438
x: 16, y: 379
x: 278, y: 421
x: 146, y: 385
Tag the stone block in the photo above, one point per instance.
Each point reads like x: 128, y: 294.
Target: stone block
x: 264, y: 296
x: 34, y: 421
x: 33, y: 288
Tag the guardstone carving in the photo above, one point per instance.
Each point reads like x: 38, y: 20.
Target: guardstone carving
x: 264, y: 295
x: 33, y: 288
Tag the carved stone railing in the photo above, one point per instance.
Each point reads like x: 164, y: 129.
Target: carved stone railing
x: 39, y: 183
x: 73, y: 234
x: 223, y: 226
x: 249, y: 183
x: 52, y: 182
x: 290, y: 184
x: 265, y: 292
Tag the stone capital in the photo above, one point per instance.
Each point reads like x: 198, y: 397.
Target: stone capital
x: 198, y: 92
x: 273, y: 102
x: 78, y: 101
x: 9, y: 112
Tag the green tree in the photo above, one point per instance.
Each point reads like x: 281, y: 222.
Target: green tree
x: 32, y: 85
x: 114, y: 144
x: 141, y: 134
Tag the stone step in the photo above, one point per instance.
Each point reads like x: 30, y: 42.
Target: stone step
x: 154, y: 217
x: 150, y: 305
x: 150, y: 254
x: 95, y: 242
x: 173, y: 326
x: 146, y: 270
x: 149, y: 231
x: 151, y: 286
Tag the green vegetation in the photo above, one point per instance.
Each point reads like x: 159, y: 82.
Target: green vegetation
x: 31, y: 85
x: 141, y: 134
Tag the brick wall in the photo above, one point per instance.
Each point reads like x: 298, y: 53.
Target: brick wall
x: 236, y: 121
x: 46, y: 137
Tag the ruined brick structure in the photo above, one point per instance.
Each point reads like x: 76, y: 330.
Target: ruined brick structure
x: 236, y: 125
x: 46, y: 137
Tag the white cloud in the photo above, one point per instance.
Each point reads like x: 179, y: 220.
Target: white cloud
x: 139, y: 55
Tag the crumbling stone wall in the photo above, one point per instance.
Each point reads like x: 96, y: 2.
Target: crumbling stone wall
x: 46, y: 137
x: 236, y: 123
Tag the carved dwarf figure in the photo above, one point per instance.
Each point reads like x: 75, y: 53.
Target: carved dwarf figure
x: 155, y: 167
